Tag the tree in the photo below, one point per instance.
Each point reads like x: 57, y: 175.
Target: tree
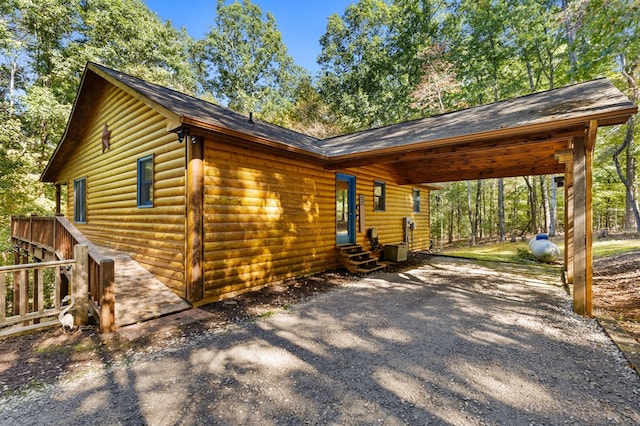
x: 246, y: 63
x: 370, y: 60
x: 44, y: 45
x: 438, y: 82
x: 540, y: 39
x: 607, y: 41
x: 310, y: 114
x: 127, y: 36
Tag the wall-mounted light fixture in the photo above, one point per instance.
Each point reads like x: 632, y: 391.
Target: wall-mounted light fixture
x: 183, y: 132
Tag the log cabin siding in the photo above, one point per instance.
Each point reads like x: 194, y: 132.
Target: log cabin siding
x: 267, y: 218
x: 154, y: 236
x: 398, y: 205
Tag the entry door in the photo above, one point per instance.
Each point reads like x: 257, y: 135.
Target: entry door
x: 345, y: 209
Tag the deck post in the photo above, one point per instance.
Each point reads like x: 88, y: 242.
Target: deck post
x: 58, y: 199
x: 80, y: 283
x: 108, y: 298
x: 16, y: 282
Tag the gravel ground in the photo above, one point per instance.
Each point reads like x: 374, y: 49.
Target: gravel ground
x: 452, y: 342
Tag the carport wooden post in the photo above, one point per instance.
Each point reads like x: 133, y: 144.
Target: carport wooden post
x: 583, y: 221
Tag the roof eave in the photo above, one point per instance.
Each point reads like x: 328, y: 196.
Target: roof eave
x: 257, y: 140
x: 604, y: 119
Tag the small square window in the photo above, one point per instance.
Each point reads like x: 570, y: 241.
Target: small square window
x: 416, y: 201
x: 145, y: 182
x: 379, y: 195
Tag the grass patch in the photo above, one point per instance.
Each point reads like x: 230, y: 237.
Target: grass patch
x: 606, y: 248
x: 505, y: 252
x: 519, y: 251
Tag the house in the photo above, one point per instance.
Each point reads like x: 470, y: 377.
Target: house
x: 211, y: 201
x: 215, y: 203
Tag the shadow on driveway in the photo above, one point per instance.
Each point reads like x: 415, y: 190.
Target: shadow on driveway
x: 452, y: 342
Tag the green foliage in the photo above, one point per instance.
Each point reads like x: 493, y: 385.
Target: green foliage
x: 524, y: 255
x: 382, y: 62
x: 245, y: 63
x: 127, y: 36
x: 310, y: 114
x: 370, y: 63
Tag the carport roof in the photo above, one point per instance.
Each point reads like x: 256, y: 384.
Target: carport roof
x: 580, y: 102
x: 516, y: 137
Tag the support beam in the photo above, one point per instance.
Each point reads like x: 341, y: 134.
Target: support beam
x: 58, y: 199
x: 582, y: 229
x: 194, y: 265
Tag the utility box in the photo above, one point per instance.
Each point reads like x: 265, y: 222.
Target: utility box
x: 395, y: 252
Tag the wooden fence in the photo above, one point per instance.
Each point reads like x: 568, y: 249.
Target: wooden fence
x: 55, y: 238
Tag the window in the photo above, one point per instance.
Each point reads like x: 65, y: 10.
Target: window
x: 145, y: 182
x: 378, y: 196
x: 416, y: 201
x: 80, y: 200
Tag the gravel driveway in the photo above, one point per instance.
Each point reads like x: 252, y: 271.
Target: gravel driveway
x: 452, y: 342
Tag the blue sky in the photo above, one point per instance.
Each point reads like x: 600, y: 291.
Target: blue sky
x: 301, y: 22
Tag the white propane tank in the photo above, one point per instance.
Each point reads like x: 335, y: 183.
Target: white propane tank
x: 543, y: 249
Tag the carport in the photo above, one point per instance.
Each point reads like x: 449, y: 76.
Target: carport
x: 552, y: 132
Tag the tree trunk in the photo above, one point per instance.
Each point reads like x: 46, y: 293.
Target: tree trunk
x: 472, y: 242
x: 450, y: 228
x: 553, y: 207
x: 545, y: 203
x: 533, y: 202
x: 630, y: 208
x: 570, y: 35
x: 628, y: 178
x: 501, y: 230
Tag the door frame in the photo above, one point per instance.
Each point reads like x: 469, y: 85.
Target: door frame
x: 350, y: 237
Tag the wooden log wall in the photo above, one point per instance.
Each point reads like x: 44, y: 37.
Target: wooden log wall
x: 399, y: 204
x: 267, y: 218
x: 154, y: 236
x: 270, y: 218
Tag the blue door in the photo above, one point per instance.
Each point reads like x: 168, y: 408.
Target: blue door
x: 345, y: 209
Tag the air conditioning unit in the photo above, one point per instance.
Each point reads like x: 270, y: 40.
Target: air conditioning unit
x: 395, y: 252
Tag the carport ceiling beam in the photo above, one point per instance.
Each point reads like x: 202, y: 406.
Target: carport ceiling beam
x: 414, y: 177
x: 444, y: 149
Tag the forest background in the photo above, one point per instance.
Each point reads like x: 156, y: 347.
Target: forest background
x: 382, y: 62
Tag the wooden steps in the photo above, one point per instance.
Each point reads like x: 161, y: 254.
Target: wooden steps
x: 358, y: 261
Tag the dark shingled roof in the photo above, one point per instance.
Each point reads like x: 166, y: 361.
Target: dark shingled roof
x: 566, y: 108
x: 568, y: 103
x: 186, y: 106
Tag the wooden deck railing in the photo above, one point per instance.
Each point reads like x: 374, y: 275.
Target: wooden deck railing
x: 35, y: 297
x: 54, y: 238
